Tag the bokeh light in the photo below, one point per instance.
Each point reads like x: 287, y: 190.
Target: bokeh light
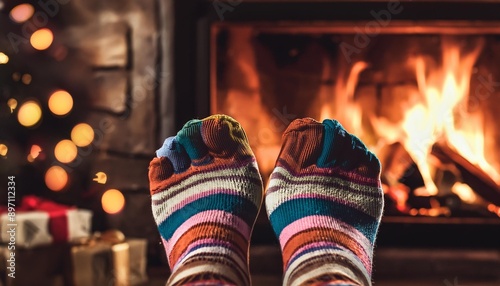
x: 60, y: 102
x: 12, y: 103
x: 16, y: 76
x: 82, y: 134
x: 21, y: 13
x: 112, y: 201
x: 26, y: 79
x: 56, y: 178
x: 29, y: 113
x: 100, y: 178
x: 65, y: 151
x: 3, y: 150
x: 35, y: 151
x: 3, y: 58
x: 42, y: 39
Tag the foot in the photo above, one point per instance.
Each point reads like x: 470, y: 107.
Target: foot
x: 206, y: 191
x: 325, y: 201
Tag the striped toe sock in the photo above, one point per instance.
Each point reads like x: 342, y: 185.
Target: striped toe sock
x: 324, y: 201
x: 206, y: 191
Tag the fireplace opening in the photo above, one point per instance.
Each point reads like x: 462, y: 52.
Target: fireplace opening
x: 423, y: 97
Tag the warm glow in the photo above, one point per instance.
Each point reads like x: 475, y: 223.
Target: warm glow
x: 29, y: 113
x: 56, y: 178
x: 12, y: 103
x: 440, y: 113
x: 101, y: 178
x: 465, y: 192
x: 112, y: 201
x: 339, y: 103
x: 21, y: 13
x: 65, y: 151
x: 446, y: 92
x: 60, y: 102
x: 3, y: 150
x: 3, y: 58
x: 82, y: 135
x: 42, y: 39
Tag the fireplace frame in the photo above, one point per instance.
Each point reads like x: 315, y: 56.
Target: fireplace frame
x: 196, y: 23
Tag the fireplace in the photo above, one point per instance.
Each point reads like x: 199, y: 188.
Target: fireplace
x: 417, y: 81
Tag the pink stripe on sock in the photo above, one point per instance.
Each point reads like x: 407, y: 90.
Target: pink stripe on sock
x: 324, y: 222
x: 327, y: 222
x: 217, y: 216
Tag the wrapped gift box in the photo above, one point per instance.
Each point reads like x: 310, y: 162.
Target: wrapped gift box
x: 138, y: 261
x: 109, y: 259
x: 39, y: 221
x: 65, y: 223
x: 29, y: 229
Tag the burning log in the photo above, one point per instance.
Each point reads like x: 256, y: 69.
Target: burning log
x: 472, y: 175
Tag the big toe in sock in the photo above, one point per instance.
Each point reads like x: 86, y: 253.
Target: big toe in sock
x: 206, y: 191
x: 324, y: 202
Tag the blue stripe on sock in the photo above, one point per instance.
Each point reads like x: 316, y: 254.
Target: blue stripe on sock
x: 190, y: 138
x: 332, y: 130
x: 295, y: 209
x: 234, y: 204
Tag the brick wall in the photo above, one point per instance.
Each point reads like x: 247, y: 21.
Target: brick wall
x: 123, y: 42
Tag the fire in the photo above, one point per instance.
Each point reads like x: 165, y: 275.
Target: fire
x: 440, y: 113
x: 437, y: 110
x: 344, y: 108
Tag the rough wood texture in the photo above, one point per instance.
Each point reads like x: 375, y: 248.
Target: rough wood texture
x: 109, y: 90
x: 104, y: 45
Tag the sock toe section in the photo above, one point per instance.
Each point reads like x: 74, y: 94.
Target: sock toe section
x: 174, y: 151
x: 342, y: 149
x: 160, y: 169
x: 302, y: 143
x: 190, y: 138
x: 224, y: 137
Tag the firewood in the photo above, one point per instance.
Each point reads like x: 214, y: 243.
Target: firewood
x: 471, y: 174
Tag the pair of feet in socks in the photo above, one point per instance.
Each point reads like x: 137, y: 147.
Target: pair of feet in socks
x: 323, y: 199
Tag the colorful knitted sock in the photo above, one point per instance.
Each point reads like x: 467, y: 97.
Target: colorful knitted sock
x: 324, y: 201
x: 206, y: 191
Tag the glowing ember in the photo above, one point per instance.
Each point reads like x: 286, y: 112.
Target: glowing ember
x: 101, y: 178
x: 112, y: 201
x: 56, y: 178
x: 465, y: 192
